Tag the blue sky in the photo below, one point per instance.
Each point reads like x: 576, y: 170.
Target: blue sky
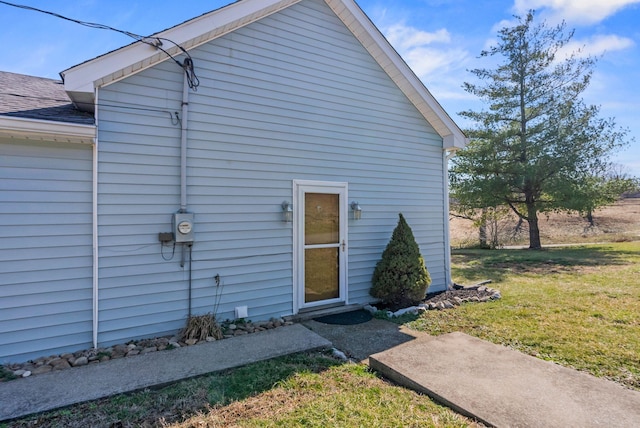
x: 440, y: 39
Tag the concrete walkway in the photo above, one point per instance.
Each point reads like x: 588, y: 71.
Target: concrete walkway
x: 504, y: 388
x: 62, y: 388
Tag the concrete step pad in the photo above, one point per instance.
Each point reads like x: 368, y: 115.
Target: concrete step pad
x: 505, y: 388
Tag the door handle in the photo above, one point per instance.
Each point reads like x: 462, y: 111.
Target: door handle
x: 344, y: 245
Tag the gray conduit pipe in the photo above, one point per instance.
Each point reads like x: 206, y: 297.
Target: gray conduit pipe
x: 183, y: 143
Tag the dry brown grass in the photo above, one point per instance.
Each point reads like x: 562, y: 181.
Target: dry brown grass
x: 616, y: 223
x: 348, y: 396
x: 264, y: 406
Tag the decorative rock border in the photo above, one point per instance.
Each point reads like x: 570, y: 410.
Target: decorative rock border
x: 132, y: 348
x: 446, y: 300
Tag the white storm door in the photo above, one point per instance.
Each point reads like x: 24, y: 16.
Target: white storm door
x: 321, y: 250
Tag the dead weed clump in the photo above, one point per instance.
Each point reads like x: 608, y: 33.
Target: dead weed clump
x: 202, y: 326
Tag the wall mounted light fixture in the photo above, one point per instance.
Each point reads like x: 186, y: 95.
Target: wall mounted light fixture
x: 357, y: 211
x: 287, y: 212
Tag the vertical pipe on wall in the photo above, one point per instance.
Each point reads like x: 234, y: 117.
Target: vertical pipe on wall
x: 183, y: 168
x: 183, y: 143
x: 94, y: 226
x: 446, y: 155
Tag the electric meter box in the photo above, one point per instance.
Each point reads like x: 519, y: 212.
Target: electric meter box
x: 183, y: 227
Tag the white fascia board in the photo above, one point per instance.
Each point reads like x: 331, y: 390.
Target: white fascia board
x: 45, y: 130
x: 391, y: 62
x: 116, y: 65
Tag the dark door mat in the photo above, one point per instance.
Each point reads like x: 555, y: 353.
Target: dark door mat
x: 345, y: 318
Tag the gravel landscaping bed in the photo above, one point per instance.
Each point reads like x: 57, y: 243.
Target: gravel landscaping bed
x: 129, y: 349
x: 446, y: 299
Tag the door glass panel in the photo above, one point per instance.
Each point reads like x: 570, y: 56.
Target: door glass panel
x: 321, y: 274
x: 321, y: 218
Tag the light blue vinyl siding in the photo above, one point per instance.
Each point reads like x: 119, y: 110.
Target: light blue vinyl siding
x: 45, y: 249
x: 293, y: 96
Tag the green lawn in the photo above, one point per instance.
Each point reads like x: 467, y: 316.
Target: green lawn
x: 576, y: 306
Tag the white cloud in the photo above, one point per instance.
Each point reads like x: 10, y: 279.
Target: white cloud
x: 425, y: 61
x: 504, y: 24
x: 596, y: 45
x: 404, y: 38
x: 439, y: 58
x: 575, y: 11
x: 433, y: 56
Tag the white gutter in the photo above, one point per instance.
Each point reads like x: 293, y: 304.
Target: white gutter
x: 94, y: 222
x: 446, y: 156
x: 46, y: 130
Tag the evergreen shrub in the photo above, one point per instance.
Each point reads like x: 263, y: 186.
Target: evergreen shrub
x: 400, y: 278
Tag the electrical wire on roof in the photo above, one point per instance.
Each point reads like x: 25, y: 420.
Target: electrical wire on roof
x: 154, y: 41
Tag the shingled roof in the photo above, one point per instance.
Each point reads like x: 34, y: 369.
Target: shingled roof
x: 33, y: 97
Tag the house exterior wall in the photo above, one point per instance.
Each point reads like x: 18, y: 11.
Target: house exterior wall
x: 293, y: 96
x: 46, y: 248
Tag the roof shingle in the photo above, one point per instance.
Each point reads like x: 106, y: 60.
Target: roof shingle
x: 38, y: 98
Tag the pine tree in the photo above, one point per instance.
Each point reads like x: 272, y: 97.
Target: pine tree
x: 538, y: 141
x: 400, y: 278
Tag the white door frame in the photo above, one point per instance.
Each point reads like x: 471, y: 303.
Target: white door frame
x: 300, y: 187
